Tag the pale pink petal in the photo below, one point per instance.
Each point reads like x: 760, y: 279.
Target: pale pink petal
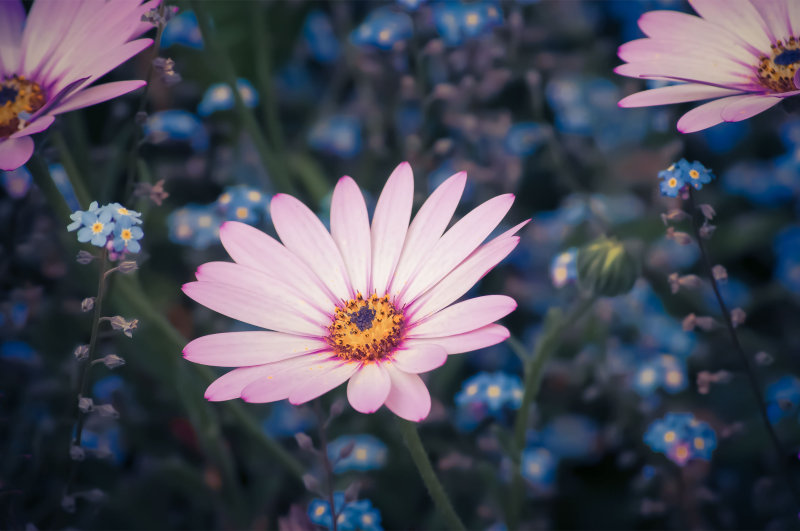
x: 104, y: 64
x: 739, y: 15
x: 36, y: 126
x: 244, y: 305
x: 416, y: 357
x: 368, y: 388
x: 14, y: 152
x: 351, y: 231
x: 249, y: 246
x: 47, y: 23
x: 97, y: 94
x: 242, y: 349
x: 427, y: 227
x: 232, y: 384
x: 461, y: 279
x: 747, y: 107
x: 390, y: 224
x: 457, y: 243
x: 467, y: 342
x: 674, y: 25
x: 695, y: 72
x: 675, y: 94
x: 705, y: 116
x: 409, y: 397
x: 513, y: 230
x: 303, y: 233
x: 464, y: 316
x: 262, y: 285
x: 657, y: 50
x: 12, y: 18
x: 280, y: 379
x: 319, y: 382
x: 776, y: 16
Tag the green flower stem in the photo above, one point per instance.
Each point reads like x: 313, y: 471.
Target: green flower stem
x: 554, y: 327
x: 133, y: 154
x: 71, y: 168
x: 83, y: 381
x: 263, y: 64
x: 326, y: 462
x: 435, y: 489
x: 745, y: 360
x: 129, y: 294
x: 278, y: 176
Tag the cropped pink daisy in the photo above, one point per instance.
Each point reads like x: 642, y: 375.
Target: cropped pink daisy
x: 49, y: 59
x: 743, y: 54
x: 371, y: 304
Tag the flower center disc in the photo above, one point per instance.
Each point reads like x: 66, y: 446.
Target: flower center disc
x: 18, y: 95
x: 366, y: 329
x: 777, y: 72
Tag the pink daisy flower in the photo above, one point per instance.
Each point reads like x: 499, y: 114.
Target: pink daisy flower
x: 49, y: 59
x: 370, y: 304
x: 744, y: 54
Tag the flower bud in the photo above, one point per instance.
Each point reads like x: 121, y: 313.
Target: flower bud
x: 606, y: 268
x: 85, y: 404
x: 84, y: 257
x: 87, y: 304
x: 81, y: 352
x: 311, y: 483
x: 112, y: 361
x: 76, y: 453
x: 128, y: 266
x: 304, y: 441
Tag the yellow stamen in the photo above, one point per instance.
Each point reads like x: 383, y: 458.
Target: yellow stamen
x: 774, y: 75
x: 97, y: 227
x: 366, y: 329
x: 18, y: 95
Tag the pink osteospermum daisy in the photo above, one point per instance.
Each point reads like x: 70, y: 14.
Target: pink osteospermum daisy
x: 743, y: 54
x: 372, y: 304
x: 49, y: 59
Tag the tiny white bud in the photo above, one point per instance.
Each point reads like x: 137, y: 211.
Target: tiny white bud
x: 708, y: 211
x: 112, y: 361
x: 106, y: 410
x: 720, y: 273
x: 304, y: 441
x: 81, y: 352
x: 738, y: 317
x: 87, y: 304
x: 85, y: 404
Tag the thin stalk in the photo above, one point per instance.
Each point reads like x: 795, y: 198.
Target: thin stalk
x: 133, y: 154
x: 83, y: 382
x: 555, y: 326
x: 71, y: 168
x: 269, y: 103
x: 280, y: 179
x: 326, y: 462
x: 425, y: 469
x: 745, y: 360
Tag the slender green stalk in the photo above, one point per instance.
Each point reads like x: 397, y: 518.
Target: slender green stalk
x: 280, y: 179
x: 83, y: 382
x: 71, y: 168
x: 554, y: 327
x: 745, y: 360
x: 133, y: 154
x: 435, y: 489
x: 326, y: 461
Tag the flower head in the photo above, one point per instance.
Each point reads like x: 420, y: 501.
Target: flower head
x: 349, y: 515
x: 219, y: 97
x: 49, y: 59
x: 368, y: 303
x: 681, y: 437
x: 743, y: 55
x: 112, y: 226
